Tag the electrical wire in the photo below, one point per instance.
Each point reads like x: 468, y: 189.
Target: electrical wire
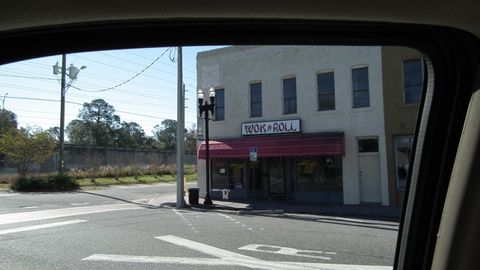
x: 139, y: 64
x: 133, y: 77
x: 81, y: 104
x: 28, y: 77
x: 166, y: 64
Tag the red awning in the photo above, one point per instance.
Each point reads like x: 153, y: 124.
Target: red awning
x: 331, y: 144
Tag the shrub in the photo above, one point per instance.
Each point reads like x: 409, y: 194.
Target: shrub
x: 54, y: 182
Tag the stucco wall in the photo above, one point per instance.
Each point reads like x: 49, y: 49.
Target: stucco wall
x: 234, y: 68
x: 400, y: 118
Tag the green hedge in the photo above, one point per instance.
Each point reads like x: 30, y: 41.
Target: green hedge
x: 57, y: 182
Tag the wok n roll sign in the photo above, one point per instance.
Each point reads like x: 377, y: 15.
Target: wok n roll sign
x: 271, y: 127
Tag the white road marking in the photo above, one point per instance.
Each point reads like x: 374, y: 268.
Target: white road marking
x: 223, y: 215
x: 213, y: 251
x: 63, y: 212
x: 42, y: 226
x: 220, y: 262
x: 79, y: 204
x: 8, y: 194
x: 30, y: 207
x: 286, y: 251
x: 225, y: 257
x: 185, y: 220
x: 154, y: 259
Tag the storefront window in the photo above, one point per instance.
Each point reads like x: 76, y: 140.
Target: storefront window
x: 219, y: 174
x: 255, y: 175
x: 227, y: 174
x: 319, y: 174
x: 235, y: 174
x: 403, y: 148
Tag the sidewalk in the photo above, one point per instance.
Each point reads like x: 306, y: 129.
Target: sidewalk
x: 265, y: 207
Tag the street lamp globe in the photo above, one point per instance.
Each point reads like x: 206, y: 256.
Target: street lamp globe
x: 211, y: 94
x: 200, y: 96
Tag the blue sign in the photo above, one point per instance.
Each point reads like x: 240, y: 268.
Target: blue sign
x: 252, y: 153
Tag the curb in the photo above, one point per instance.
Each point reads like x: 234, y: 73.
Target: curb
x: 261, y: 212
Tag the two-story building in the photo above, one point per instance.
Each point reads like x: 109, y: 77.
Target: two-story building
x: 305, y: 123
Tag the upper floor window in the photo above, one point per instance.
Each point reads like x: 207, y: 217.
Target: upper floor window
x: 219, y: 104
x: 412, y: 80
x: 326, y: 91
x: 361, y: 95
x: 290, y: 96
x: 256, y: 99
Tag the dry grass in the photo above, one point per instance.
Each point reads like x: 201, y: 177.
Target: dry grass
x: 8, y: 178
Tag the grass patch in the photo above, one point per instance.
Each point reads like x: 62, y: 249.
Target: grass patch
x: 4, y: 186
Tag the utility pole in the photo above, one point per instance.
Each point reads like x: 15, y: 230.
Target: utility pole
x: 61, y: 163
x: 180, y: 131
x: 72, y: 74
x: 3, y: 101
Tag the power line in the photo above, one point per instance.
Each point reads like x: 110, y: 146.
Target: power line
x: 80, y: 104
x: 136, y: 63
x: 133, y: 77
x: 53, y: 92
x: 28, y: 77
x: 144, y: 57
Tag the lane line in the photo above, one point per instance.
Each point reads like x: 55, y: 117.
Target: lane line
x: 157, y: 259
x: 42, y: 226
x: 224, y: 257
x: 206, y: 249
x: 226, y: 262
x: 30, y: 207
x: 62, y: 212
x: 8, y: 194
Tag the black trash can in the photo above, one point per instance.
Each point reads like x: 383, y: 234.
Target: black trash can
x: 193, y: 194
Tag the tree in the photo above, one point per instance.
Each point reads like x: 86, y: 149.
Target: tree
x: 166, y: 134
x: 8, y: 120
x: 25, y: 146
x: 130, y: 135
x: 191, y: 140
x: 96, y: 125
x: 78, y: 132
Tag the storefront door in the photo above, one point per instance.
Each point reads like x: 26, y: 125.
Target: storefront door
x: 369, y: 170
x: 369, y: 173
x: 255, y: 182
x: 276, y: 178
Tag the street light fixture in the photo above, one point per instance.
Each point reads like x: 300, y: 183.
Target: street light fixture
x: 205, y: 108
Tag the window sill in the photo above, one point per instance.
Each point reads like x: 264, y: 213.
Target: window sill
x: 363, y: 109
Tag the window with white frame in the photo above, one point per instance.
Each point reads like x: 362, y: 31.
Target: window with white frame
x: 289, y: 96
x: 256, y: 99
x: 360, y: 88
x: 326, y: 91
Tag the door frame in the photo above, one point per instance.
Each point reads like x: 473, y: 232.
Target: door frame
x: 284, y: 195
x: 359, y: 154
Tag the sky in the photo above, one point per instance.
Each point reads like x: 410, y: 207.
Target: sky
x: 31, y: 90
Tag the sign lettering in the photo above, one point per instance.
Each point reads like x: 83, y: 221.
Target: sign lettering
x: 271, y: 127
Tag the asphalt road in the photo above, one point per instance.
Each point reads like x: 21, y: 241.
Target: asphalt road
x: 114, y: 229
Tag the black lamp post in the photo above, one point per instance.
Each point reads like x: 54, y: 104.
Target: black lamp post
x: 205, y: 108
